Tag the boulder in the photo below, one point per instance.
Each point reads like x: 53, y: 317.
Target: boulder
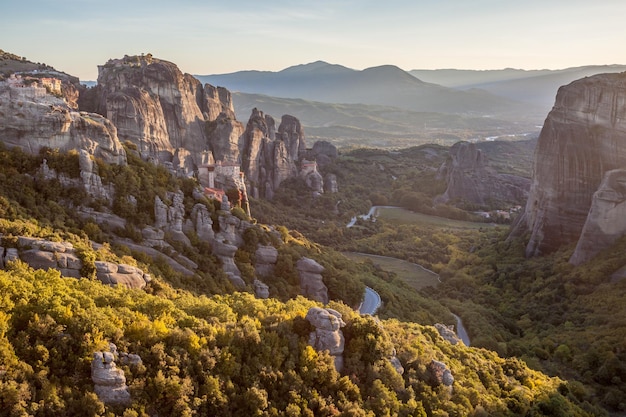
x: 311, y: 282
x: 261, y: 290
x: 447, y: 333
x: 109, y: 381
x: 327, y: 335
x: 202, y: 223
x: 330, y: 183
x: 39, y: 259
x: 265, y: 260
x: 440, y: 373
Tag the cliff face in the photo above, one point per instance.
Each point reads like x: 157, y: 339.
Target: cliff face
x: 471, y: 181
x: 583, y: 137
x: 161, y: 110
x: 270, y: 157
x: 31, y: 119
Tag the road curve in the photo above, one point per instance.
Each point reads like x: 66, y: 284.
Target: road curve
x: 371, y: 302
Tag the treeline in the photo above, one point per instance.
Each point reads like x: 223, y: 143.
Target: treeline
x: 235, y: 355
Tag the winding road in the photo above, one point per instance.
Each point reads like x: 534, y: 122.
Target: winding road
x: 371, y: 302
x: 371, y: 299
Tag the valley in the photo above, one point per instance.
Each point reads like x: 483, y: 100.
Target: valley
x: 168, y: 250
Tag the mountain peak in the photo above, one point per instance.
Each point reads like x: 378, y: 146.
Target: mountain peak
x: 317, y: 66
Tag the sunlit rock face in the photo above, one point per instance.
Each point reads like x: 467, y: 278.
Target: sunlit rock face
x: 161, y: 110
x: 269, y: 157
x: 583, y: 137
x: 32, y: 119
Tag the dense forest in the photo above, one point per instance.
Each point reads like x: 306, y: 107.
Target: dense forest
x: 561, y: 319
x: 206, y: 349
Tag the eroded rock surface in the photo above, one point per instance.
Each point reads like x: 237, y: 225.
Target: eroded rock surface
x: 311, y: 283
x: 163, y: 111
x: 440, y: 373
x: 268, y: 156
x: 109, y: 381
x: 583, y: 137
x: 32, y: 119
x: 606, y: 221
x: 472, y: 182
x: 327, y: 334
x: 447, y: 332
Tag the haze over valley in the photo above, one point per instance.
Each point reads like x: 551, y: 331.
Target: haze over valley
x: 356, y: 208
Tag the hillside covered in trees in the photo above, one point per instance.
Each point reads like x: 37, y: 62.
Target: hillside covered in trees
x: 207, y: 350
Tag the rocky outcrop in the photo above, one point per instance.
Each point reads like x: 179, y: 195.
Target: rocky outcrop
x: 311, y: 283
x: 606, y: 221
x: 170, y: 218
x: 120, y: 274
x: 472, y: 182
x: 265, y: 260
x: 440, y: 373
x: 32, y: 119
x: 161, y: 110
x: 327, y: 335
x: 261, y: 290
x: 90, y: 178
x: 583, y: 138
x: 109, y: 381
x: 269, y: 157
x: 447, y: 333
x: 323, y: 153
x: 45, y: 254
x: 330, y: 183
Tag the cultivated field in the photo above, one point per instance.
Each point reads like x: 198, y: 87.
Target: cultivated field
x: 413, y: 274
x: 400, y: 215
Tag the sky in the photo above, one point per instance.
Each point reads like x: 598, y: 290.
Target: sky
x: 215, y: 37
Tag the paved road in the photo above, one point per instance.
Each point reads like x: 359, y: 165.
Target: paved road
x: 371, y: 302
x: 460, y: 330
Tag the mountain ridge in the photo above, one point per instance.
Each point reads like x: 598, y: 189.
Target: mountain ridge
x: 379, y: 85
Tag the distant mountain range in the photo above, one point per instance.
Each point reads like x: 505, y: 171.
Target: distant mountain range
x: 385, y: 85
x: 537, y: 87
x: 508, y: 93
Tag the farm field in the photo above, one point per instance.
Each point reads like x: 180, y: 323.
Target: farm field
x: 400, y: 215
x: 413, y: 274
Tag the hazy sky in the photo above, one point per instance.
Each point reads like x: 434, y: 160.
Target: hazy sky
x: 212, y: 37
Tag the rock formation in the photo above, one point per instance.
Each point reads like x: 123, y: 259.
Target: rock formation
x: 440, y: 373
x: 606, y: 221
x: 44, y: 254
x: 163, y: 111
x: 120, y: 274
x: 261, y: 290
x: 109, y: 381
x: 330, y: 183
x: 32, y: 119
x: 471, y: 181
x: 583, y: 138
x: 447, y: 333
x: 327, y: 334
x: 265, y: 260
x: 311, y: 283
x: 270, y: 157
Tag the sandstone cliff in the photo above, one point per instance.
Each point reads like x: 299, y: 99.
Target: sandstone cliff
x: 162, y: 111
x: 31, y: 119
x: 583, y: 137
x: 472, y: 182
x: 268, y: 156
